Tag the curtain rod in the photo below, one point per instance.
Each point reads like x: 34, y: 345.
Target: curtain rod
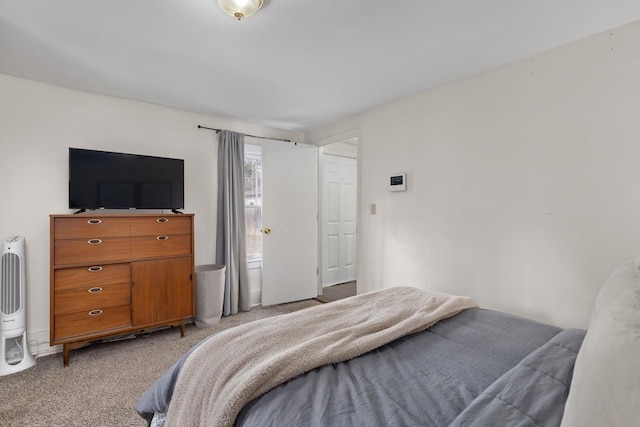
x: 245, y: 134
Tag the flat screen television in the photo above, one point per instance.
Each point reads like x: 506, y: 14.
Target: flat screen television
x: 106, y: 180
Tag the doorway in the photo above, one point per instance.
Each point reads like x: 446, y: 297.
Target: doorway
x: 279, y: 216
x: 338, y: 219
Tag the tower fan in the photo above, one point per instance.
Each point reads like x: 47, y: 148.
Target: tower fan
x: 14, y: 350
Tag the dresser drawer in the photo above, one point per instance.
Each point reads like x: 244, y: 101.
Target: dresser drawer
x: 161, y: 245
x: 72, y: 278
x: 90, y: 297
x: 160, y: 225
x: 90, y: 227
x: 92, y: 321
x: 91, y: 250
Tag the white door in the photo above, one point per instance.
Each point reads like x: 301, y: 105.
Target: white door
x: 339, y: 202
x: 289, y: 222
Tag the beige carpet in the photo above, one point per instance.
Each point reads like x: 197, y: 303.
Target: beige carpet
x: 103, y: 382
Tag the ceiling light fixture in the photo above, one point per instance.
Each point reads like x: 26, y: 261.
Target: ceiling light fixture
x: 240, y: 8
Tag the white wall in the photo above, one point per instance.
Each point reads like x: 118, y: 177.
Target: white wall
x: 341, y: 149
x: 523, y: 182
x: 38, y: 122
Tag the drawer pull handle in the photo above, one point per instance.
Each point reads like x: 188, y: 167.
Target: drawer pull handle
x: 95, y: 290
x: 95, y: 312
x: 163, y: 220
x: 94, y: 268
x: 94, y: 241
x: 162, y: 237
x: 94, y: 221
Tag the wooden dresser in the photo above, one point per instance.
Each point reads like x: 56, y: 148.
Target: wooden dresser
x: 116, y: 274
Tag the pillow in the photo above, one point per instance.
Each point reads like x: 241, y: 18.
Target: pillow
x: 626, y: 276
x: 605, y: 390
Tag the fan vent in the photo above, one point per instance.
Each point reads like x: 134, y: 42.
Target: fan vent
x: 10, y: 285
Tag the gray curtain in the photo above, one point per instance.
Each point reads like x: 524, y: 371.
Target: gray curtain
x: 231, y: 235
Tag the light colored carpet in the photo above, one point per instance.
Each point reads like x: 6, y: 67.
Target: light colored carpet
x: 104, y: 382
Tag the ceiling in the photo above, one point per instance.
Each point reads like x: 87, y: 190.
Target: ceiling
x: 295, y: 64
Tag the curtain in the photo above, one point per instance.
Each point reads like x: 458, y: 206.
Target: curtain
x: 230, y: 237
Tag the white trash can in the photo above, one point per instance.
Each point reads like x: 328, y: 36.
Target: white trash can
x: 209, y: 294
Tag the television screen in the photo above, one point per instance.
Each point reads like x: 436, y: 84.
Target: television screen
x: 102, y: 179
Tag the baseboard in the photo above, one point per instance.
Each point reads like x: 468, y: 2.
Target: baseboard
x: 255, y: 297
x: 39, y: 344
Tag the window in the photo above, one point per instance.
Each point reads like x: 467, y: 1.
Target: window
x: 253, y: 203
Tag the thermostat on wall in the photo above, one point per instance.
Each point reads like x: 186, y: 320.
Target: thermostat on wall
x: 398, y: 182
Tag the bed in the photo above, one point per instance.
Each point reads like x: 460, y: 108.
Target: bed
x: 462, y: 366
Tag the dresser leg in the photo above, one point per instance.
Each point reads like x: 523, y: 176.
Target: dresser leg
x: 65, y: 355
x: 182, y: 329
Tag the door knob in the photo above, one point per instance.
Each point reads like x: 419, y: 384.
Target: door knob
x: 267, y: 231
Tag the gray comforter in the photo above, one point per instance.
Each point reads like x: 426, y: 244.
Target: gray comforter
x: 531, y: 394
x: 479, y: 367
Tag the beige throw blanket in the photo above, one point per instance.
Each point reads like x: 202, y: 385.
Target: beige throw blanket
x: 239, y: 364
